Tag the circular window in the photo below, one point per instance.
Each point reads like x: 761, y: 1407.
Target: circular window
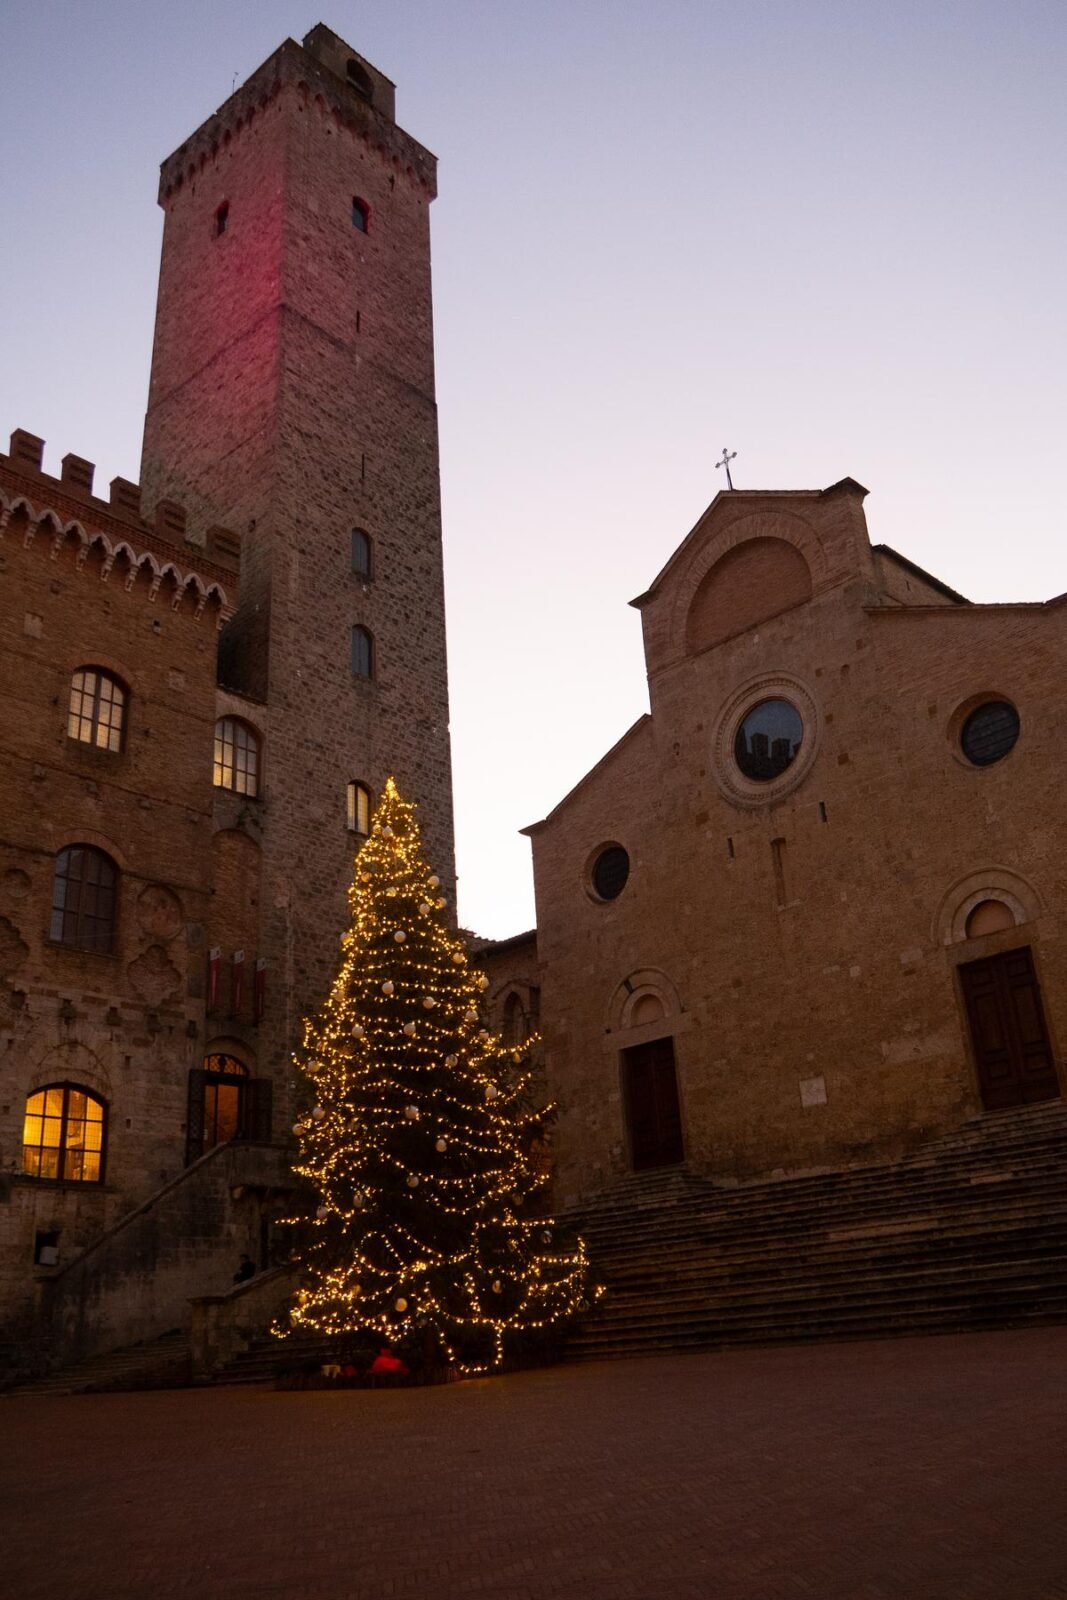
x: 610, y: 872
x: 989, y: 733
x: 767, y: 740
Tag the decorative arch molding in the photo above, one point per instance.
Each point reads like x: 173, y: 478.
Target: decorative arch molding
x: 45, y: 519
x: 72, y: 1062
x: 633, y: 1001
x: 748, y: 586
x: 65, y: 837
x: 788, y: 527
x: 990, y: 883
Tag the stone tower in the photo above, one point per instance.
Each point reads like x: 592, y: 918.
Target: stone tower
x: 292, y: 398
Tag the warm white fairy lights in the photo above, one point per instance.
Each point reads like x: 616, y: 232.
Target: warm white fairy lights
x: 425, y: 1156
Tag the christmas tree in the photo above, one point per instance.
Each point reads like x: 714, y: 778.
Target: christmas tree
x: 422, y: 1139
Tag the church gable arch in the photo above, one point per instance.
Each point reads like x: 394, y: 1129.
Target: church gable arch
x: 751, y: 583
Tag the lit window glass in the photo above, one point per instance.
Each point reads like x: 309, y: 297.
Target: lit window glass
x: 97, y: 710
x: 236, y: 757
x: 358, y: 808
x: 63, y: 1135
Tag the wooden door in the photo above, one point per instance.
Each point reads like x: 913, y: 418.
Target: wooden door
x: 652, y: 1111
x: 1008, y: 1032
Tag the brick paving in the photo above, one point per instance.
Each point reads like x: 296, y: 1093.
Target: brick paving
x: 921, y: 1469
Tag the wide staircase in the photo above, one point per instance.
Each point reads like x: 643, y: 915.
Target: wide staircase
x: 970, y: 1232
x: 162, y: 1363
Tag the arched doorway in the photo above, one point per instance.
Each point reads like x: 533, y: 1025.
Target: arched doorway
x: 225, y: 1103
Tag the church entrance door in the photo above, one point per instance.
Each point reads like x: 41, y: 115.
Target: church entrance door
x: 1008, y: 1032
x: 652, y: 1111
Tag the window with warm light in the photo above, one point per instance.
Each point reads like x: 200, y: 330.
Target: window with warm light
x: 358, y: 808
x: 236, y: 757
x: 63, y: 1135
x: 97, y: 711
x: 84, y: 899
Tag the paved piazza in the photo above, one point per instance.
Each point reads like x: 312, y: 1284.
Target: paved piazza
x: 929, y: 1469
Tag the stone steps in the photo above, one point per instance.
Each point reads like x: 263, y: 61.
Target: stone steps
x: 162, y: 1363
x: 968, y: 1232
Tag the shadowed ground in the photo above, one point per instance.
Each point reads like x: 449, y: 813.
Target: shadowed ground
x: 929, y: 1469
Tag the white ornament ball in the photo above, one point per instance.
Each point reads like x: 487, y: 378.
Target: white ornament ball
x: 441, y: 1145
x: 413, y: 1180
x: 364, y: 877
x: 440, y: 902
x: 390, y: 894
x: 497, y: 1286
x: 400, y: 937
x: 470, y: 1016
x: 546, y: 1237
x: 357, y: 1200
x: 428, y: 1002
x: 425, y: 908
x: 318, y: 1114
x: 483, y: 981
x: 357, y: 1030
x: 412, y: 1113
x: 491, y: 1091
x: 387, y: 831
x: 298, y: 1128
x: 435, y: 882
x: 451, y: 1061
x: 388, y: 986
x: 401, y: 1304
x: 322, y: 1213
x: 409, y: 1029
x: 459, y: 958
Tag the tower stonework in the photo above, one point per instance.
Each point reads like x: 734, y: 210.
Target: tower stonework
x: 292, y: 398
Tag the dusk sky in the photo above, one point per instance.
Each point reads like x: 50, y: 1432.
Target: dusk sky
x: 830, y: 236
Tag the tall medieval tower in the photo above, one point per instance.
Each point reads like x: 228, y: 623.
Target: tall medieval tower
x: 292, y: 398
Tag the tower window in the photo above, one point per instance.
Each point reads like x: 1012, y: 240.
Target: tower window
x: 358, y: 808
x: 63, y: 1135
x: 361, y: 552
x: 360, y: 80
x: 236, y: 757
x: 222, y: 218
x: 84, y: 895
x: 362, y: 652
x: 360, y: 214
x: 97, y: 711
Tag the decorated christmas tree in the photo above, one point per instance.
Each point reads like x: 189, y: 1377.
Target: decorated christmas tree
x: 421, y: 1138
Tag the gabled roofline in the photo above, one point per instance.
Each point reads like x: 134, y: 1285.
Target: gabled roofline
x: 843, y: 485
x: 920, y: 572
x: 535, y: 827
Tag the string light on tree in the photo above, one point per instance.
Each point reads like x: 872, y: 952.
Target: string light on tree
x: 426, y: 1157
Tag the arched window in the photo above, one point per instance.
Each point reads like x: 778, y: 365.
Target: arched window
x: 97, y: 712
x: 515, y: 1029
x: 360, y: 214
x: 225, y: 1082
x: 84, y: 899
x: 63, y: 1134
x: 236, y: 757
x: 361, y: 552
x: 358, y: 808
x: 362, y: 652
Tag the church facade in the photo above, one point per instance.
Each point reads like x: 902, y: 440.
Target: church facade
x: 810, y: 909
x: 207, y: 678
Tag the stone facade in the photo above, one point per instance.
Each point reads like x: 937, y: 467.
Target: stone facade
x: 291, y: 399
x: 809, y: 955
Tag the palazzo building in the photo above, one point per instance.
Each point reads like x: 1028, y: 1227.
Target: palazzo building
x: 811, y: 908
x: 196, y: 722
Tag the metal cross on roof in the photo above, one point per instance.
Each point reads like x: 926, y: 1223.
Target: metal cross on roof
x: 727, y: 457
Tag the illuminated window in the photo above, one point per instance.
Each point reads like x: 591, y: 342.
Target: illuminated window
x: 362, y: 653
x: 97, y: 712
x: 360, y: 215
x: 236, y: 757
x: 225, y: 1083
x: 361, y: 552
x: 358, y: 808
x: 84, y: 896
x: 63, y: 1135
x: 222, y: 217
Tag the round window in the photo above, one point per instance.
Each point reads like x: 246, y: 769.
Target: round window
x: 989, y: 733
x: 610, y: 872
x: 768, y: 740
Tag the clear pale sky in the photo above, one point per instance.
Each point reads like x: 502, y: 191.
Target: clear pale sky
x: 828, y: 235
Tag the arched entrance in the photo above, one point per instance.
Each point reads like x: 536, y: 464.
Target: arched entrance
x: 225, y: 1103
